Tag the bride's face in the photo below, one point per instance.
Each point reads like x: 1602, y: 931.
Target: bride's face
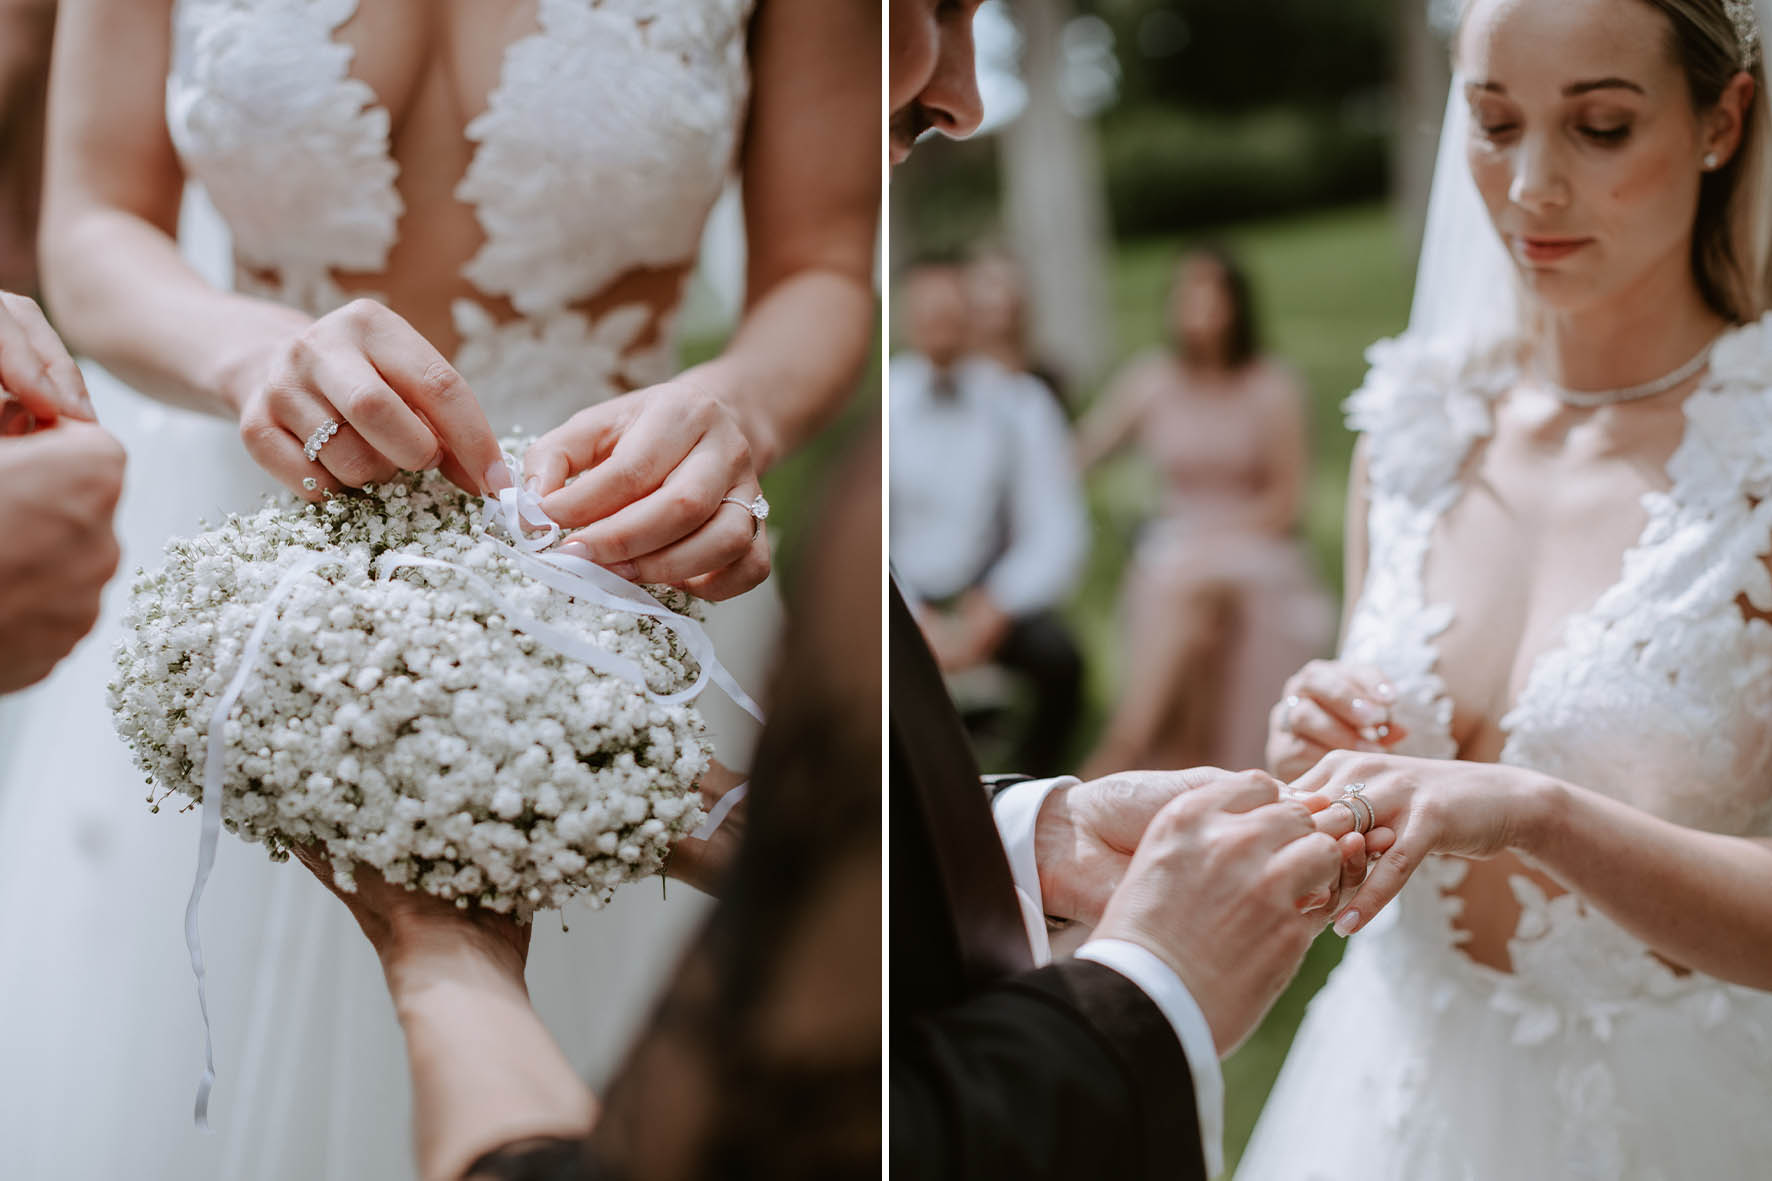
x: 1584, y: 143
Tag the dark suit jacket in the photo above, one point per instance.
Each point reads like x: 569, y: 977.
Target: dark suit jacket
x: 999, y: 1070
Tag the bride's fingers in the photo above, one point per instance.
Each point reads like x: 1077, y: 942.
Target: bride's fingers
x: 273, y: 448
x: 350, y: 460
x: 649, y: 450
x: 1307, y: 719
x: 688, y: 499
x: 722, y: 540
x: 347, y: 381
x: 743, y: 575
x: 429, y: 384
x: 1387, y: 877
x: 578, y: 444
x: 1350, y: 702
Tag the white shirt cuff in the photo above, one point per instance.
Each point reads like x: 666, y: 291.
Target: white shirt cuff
x: 1159, y: 982
x: 1017, y: 812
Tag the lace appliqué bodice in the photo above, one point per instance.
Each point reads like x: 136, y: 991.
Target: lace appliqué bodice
x: 601, y: 151
x: 1659, y: 694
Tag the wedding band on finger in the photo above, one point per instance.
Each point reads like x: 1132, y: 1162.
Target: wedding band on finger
x: 321, y: 436
x: 1364, y: 816
x: 757, y: 506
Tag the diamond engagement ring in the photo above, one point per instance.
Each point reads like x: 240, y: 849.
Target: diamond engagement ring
x: 1364, y: 816
x: 756, y: 506
x: 321, y: 436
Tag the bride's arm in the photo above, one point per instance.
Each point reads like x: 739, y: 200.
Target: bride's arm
x: 112, y: 271
x: 1700, y: 899
x: 657, y: 463
x: 811, y: 170
x: 123, y: 294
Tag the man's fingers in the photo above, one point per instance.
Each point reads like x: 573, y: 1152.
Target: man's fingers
x: 58, y: 365
x: 1310, y: 867
x: 1241, y: 792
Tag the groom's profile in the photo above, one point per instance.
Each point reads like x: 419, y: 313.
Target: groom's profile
x: 1104, y: 1064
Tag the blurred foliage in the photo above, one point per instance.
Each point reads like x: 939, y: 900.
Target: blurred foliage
x: 1231, y: 56
x: 1229, y: 110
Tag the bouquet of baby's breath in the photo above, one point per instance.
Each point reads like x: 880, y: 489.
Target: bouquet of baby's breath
x: 396, y: 717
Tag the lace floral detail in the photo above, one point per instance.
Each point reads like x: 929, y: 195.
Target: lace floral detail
x: 544, y: 369
x: 293, y: 151
x: 1659, y: 694
x: 633, y: 107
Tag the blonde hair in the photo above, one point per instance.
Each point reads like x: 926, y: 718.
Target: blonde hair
x: 1732, y: 236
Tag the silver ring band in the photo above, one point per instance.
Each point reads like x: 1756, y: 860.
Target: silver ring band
x: 757, y: 506
x: 1353, y: 812
x: 322, y: 435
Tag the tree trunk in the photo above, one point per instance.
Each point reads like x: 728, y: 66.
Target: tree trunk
x: 1054, y: 204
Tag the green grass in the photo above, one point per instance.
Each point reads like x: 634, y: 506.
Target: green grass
x: 1327, y: 285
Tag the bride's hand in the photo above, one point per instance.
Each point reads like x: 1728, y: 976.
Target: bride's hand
x: 398, y: 404
x: 1419, y: 806
x: 1329, y: 705
x: 656, y: 465
x: 35, y: 368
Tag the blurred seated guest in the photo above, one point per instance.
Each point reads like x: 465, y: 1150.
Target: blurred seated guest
x: 988, y: 527
x: 996, y: 285
x: 26, y: 27
x: 1222, y: 601
x: 762, y: 1057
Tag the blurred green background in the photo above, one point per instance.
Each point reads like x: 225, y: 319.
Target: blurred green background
x: 1138, y: 127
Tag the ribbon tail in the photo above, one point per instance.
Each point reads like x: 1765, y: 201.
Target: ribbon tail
x: 213, y: 767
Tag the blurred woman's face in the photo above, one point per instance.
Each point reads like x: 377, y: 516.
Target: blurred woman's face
x: 1584, y: 143
x: 1201, y: 307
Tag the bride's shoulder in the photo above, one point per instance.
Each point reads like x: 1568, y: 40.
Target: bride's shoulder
x: 1424, y: 401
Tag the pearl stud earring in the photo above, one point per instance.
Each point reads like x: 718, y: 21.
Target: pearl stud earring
x: 1711, y: 161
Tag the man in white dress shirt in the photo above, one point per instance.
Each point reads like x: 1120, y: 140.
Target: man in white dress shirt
x: 988, y: 525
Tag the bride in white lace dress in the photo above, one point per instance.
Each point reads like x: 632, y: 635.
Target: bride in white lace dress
x: 1559, y: 536
x: 516, y: 186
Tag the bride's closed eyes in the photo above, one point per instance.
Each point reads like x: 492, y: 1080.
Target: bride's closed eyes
x: 1497, y: 124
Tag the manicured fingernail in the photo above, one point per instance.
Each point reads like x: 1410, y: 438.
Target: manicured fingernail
x: 1381, y: 731
x: 1344, y: 926
x: 627, y: 570
x: 498, y: 477
x: 576, y: 549
x: 1386, y: 693
x: 1366, y: 713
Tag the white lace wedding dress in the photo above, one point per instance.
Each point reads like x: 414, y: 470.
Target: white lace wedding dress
x: 1591, y: 1058
x: 603, y: 147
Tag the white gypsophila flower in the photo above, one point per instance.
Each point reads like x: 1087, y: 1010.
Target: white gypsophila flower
x: 403, y: 722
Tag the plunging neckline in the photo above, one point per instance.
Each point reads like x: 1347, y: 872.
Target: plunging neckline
x: 1499, y: 386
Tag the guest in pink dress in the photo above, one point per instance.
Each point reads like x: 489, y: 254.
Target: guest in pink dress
x: 1222, y: 601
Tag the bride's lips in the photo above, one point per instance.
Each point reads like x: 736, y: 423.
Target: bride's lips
x: 1542, y: 248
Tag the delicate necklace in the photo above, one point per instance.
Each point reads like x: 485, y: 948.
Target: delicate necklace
x: 1590, y: 399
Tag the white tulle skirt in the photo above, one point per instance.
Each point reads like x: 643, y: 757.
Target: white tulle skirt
x: 100, y: 1038
x: 1589, y: 1061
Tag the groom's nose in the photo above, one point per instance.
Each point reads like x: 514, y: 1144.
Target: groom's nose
x: 950, y: 102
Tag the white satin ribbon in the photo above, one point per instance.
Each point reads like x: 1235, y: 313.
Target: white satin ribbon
x: 518, y: 511
x: 721, y: 809
x: 212, y: 802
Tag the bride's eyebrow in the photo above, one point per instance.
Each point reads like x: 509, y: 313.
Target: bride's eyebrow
x: 1573, y: 90
x: 1579, y: 88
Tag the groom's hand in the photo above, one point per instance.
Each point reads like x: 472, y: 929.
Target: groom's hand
x: 1218, y: 890
x: 1085, y: 835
